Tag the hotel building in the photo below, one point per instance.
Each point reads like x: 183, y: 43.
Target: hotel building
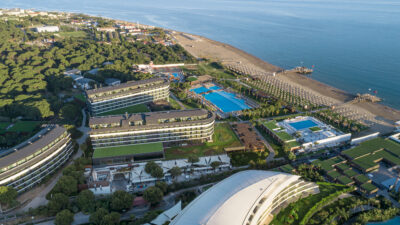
x: 29, y: 164
x: 142, y: 129
x: 251, y: 197
x: 110, y: 98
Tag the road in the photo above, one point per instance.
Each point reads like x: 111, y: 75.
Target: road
x: 167, y: 203
x: 40, y: 198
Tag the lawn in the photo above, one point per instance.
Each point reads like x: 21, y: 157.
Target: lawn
x: 302, y: 206
x: 131, y: 109
x: 174, y: 104
x: 80, y: 96
x: 279, y: 151
x: 73, y: 34
x: 315, y: 129
x: 271, y: 125
x: 223, y: 137
x: 191, y: 78
x: 24, y: 126
x: 127, y: 150
x: 3, y: 126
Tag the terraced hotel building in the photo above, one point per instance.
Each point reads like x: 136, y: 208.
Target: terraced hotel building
x: 113, y: 133
x: 251, y: 197
x: 110, y: 98
x: 31, y: 163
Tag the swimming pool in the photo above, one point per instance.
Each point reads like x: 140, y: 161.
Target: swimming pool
x: 227, y: 102
x: 199, y: 90
x: 303, y: 124
x: 204, y: 89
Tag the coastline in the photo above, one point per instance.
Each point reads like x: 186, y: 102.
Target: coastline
x: 383, y: 116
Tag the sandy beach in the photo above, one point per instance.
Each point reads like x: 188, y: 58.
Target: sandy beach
x: 380, y: 117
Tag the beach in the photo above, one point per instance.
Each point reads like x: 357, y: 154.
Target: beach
x: 379, y: 117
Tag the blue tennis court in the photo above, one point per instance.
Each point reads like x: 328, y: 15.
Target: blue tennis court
x: 303, y: 124
x: 227, y: 102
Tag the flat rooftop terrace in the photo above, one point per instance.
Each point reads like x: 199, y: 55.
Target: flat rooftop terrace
x: 127, y: 150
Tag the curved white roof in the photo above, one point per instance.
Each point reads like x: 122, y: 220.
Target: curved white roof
x: 231, y: 201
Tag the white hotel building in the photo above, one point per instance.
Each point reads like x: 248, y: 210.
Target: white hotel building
x: 110, y: 98
x: 28, y: 165
x: 251, y: 197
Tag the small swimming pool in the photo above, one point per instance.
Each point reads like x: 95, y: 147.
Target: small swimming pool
x: 227, y: 102
x: 176, y: 75
x: 303, y: 124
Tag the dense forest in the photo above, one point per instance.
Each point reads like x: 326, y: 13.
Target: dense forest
x: 31, y: 74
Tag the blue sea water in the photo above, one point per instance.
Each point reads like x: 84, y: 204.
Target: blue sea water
x: 394, y: 221
x: 354, y: 44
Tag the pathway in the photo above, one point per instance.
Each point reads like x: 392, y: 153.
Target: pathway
x: 177, y: 100
x: 40, y: 198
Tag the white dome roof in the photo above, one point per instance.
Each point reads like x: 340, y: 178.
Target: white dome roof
x: 231, y: 201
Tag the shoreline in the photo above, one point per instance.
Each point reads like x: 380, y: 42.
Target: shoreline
x: 382, y: 115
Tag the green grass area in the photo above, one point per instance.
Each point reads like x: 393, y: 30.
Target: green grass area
x: 271, y: 125
x: 286, y: 168
x: 368, y: 187
x: 371, y: 146
x: 73, y: 34
x: 174, y: 104
x: 343, y: 167
x: 191, y: 78
x: 24, y: 126
x: 279, y: 151
x: 3, y: 126
x: 327, y: 165
x: 344, y: 180
x: 362, y: 179
x: 370, y: 162
x: 350, y: 173
x: 302, y: 206
x: 244, y: 158
x: 80, y: 97
x: 214, y: 70
x: 284, y: 136
x: 223, y: 137
x: 315, y: 129
x: 127, y: 150
x: 293, y: 144
x: 131, y: 109
x: 334, y: 174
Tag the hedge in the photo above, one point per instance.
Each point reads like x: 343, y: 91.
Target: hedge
x: 322, y: 203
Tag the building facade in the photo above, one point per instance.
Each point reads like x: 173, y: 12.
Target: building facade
x: 110, y: 98
x: 152, y: 127
x: 28, y: 165
x: 47, y: 29
x: 250, y: 197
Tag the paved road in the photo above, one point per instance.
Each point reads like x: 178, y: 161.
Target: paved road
x: 271, y: 155
x: 40, y: 198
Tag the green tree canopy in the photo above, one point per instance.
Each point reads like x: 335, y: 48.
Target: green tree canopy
x: 64, y: 217
x: 153, y: 195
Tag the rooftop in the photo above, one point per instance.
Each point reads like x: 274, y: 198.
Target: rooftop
x: 146, y: 119
x: 29, y: 149
x: 123, y: 85
x: 230, y: 201
x: 127, y: 150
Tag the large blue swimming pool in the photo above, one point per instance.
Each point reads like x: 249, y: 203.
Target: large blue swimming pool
x: 303, y: 124
x: 227, y: 102
x: 204, y: 89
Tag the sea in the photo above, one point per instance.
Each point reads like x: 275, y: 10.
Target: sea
x: 353, y: 45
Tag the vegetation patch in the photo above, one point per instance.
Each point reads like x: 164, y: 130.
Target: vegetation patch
x: 315, y: 129
x: 223, y: 137
x: 131, y: 109
x: 127, y: 150
x: 24, y: 126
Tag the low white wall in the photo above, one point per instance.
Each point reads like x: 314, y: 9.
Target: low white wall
x: 364, y: 138
x: 395, y: 137
x: 328, y: 141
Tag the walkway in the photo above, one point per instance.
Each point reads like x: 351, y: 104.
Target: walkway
x: 177, y: 100
x: 40, y: 197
